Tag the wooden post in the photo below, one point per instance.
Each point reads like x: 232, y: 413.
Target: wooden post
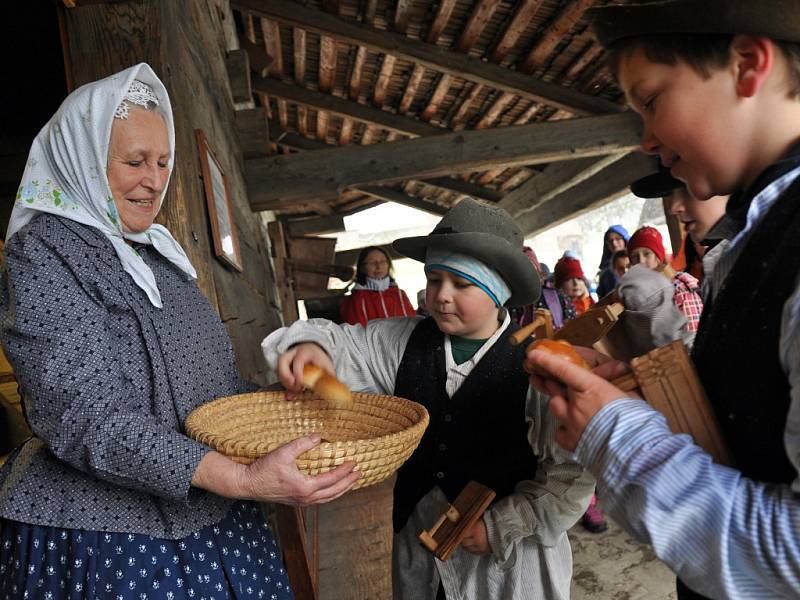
x: 283, y: 273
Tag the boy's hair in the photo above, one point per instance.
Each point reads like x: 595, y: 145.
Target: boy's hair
x: 703, y: 53
x: 619, y: 254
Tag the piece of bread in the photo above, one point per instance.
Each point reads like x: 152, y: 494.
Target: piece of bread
x: 560, y: 347
x: 327, y: 386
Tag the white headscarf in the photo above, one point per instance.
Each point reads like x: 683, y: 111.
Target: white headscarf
x: 66, y: 173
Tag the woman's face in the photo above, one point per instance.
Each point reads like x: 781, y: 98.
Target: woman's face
x: 138, y: 167
x: 615, y: 242
x: 375, y: 265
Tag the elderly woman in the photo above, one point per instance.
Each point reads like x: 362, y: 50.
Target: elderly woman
x: 113, y: 345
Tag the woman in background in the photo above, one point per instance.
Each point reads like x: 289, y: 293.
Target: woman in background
x: 375, y: 294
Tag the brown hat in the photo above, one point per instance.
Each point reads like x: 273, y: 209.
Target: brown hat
x: 487, y: 233
x: 775, y: 19
x: 656, y: 185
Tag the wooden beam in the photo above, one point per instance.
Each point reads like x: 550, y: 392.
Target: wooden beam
x: 315, y: 225
x: 354, y: 87
x: 253, y: 131
x: 554, y: 180
x: 411, y: 89
x: 480, y: 16
x: 345, y: 108
x: 439, y: 94
x: 402, y: 13
x: 428, y: 55
x: 384, y: 77
x: 519, y: 23
x: 238, y: 66
x: 349, y: 257
x: 392, y: 195
x: 299, y: 42
x: 327, y: 63
x: 260, y: 61
x: 272, y: 46
x: 451, y: 184
x: 607, y: 185
x: 440, y: 20
x: 278, y: 181
x: 557, y: 29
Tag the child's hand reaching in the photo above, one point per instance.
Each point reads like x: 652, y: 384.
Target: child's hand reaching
x: 476, y: 539
x: 291, y: 363
x: 576, y: 394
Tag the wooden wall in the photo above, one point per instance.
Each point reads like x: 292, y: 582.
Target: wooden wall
x: 184, y: 44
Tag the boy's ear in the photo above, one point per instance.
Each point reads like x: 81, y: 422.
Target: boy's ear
x: 753, y: 58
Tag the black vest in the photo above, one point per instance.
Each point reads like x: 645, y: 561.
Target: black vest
x: 479, y: 434
x: 736, y: 349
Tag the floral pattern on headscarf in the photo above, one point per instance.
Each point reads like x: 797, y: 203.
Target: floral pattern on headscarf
x: 66, y: 173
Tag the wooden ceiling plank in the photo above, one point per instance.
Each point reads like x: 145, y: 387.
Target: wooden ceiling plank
x: 490, y: 175
x: 393, y: 195
x: 384, y: 78
x: 370, y: 10
x: 440, y: 20
x: 345, y: 108
x: 555, y: 179
x: 439, y: 94
x: 354, y: 87
x: 480, y: 17
x: 280, y: 180
x: 346, y: 131
x: 302, y: 120
x: 495, y: 110
x: 368, y: 136
x: 459, y: 119
x: 429, y: 55
x: 411, y: 89
x: 464, y: 187
x: 590, y: 56
x: 322, y: 125
x: 299, y: 42
x: 327, y: 63
x: 516, y: 27
x: 559, y: 27
x: 606, y: 185
x: 272, y: 45
x: 283, y: 112
x: 402, y: 13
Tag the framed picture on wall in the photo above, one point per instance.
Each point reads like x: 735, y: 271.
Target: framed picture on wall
x: 220, y: 210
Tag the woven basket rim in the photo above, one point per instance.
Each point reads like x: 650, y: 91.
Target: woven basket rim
x: 349, y: 449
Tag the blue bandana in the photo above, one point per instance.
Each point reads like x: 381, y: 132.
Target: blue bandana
x: 472, y: 270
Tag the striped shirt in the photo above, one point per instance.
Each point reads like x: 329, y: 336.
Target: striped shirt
x: 530, y: 556
x: 725, y: 535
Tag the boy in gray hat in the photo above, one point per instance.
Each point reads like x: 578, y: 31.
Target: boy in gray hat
x: 485, y: 423
x: 717, y: 84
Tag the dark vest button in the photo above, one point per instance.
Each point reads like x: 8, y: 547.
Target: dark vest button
x: 448, y: 417
x: 440, y: 475
x: 442, y: 447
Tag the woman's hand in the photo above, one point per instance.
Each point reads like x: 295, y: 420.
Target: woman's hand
x: 476, y: 539
x: 291, y: 363
x: 275, y: 477
x: 576, y: 394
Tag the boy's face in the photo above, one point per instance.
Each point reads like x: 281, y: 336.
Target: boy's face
x: 621, y: 265
x: 692, y: 123
x: 574, y: 288
x: 459, y: 307
x: 697, y: 216
x: 644, y: 256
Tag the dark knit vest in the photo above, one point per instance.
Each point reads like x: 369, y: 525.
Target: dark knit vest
x: 479, y: 434
x: 736, y: 349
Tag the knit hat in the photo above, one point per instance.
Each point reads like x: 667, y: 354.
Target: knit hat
x: 650, y: 238
x: 488, y: 234
x: 567, y: 268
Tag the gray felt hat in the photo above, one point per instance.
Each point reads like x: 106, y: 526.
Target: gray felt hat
x: 775, y: 19
x: 487, y: 233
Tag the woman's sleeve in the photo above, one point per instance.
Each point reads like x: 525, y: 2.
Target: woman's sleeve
x: 407, y: 304
x: 545, y: 507
x: 75, y: 396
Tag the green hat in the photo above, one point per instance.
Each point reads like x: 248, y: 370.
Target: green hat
x: 487, y: 233
x: 775, y: 19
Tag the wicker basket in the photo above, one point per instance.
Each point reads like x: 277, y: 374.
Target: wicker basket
x: 379, y: 432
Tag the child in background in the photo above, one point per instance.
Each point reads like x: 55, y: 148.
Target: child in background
x: 484, y: 423
x: 560, y: 306
x: 375, y: 294
x: 620, y: 263
x: 569, y: 278
x: 614, y: 240
x: 647, y: 248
